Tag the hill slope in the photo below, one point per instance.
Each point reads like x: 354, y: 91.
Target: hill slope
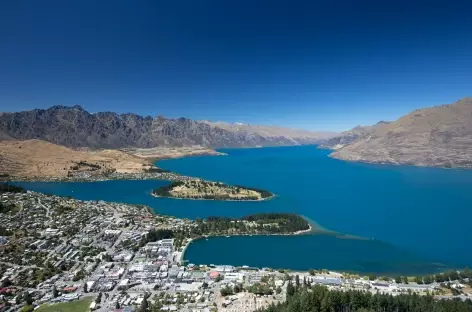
x: 75, y: 127
x: 35, y: 158
x: 437, y: 136
x: 350, y: 136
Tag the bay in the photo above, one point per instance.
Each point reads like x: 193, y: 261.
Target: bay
x: 412, y: 219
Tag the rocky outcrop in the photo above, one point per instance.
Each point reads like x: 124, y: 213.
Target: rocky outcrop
x: 75, y: 127
x: 437, y: 136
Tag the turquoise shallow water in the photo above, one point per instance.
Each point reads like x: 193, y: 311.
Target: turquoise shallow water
x: 418, y: 216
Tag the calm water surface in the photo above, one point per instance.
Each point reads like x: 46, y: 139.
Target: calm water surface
x: 414, y: 219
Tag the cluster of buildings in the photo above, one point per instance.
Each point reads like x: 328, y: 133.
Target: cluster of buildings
x: 336, y: 281
x: 65, y: 249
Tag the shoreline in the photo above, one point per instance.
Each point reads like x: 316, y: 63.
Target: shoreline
x: 164, y: 158
x: 208, y: 199
x: 191, y: 240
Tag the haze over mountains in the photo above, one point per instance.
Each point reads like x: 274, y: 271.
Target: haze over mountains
x: 75, y: 127
x: 437, y: 136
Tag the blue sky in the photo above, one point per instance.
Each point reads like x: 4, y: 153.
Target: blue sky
x: 320, y: 65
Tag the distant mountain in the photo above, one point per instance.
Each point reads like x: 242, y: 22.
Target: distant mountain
x: 273, y: 133
x: 437, y: 136
x: 350, y: 136
x: 75, y: 127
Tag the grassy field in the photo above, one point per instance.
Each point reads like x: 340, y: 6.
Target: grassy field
x: 81, y: 305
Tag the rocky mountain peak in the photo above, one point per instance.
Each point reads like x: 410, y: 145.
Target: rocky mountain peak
x: 73, y: 126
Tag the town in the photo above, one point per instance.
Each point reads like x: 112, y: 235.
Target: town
x: 96, y: 255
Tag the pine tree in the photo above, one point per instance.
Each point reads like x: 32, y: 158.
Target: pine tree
x: 290, y: 289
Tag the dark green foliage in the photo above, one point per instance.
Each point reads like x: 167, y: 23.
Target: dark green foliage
x: 238, y: 288
x: 319, y: 298
x: 290, y: 289
x: 452, y: 275
x: 260, y: 289
x: 28, y: 299
x: 226, y: 291
x: 267, y: 223
x: 5, y: 232
x: 5, y: 187
x: 155, y: 235
x: 144, y: 305
x: 157, y: 170
x: 78, y: 276
x: 99, y: 298
x: 165, y: 190
x: 86, y: 164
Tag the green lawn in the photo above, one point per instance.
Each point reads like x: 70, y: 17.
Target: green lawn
x: 81, y: 305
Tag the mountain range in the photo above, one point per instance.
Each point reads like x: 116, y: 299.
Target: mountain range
x: 75, y: 127
x: 436, y: 136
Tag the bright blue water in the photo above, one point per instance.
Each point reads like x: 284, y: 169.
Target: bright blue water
x: 309, y: 251
x: 414, y: 213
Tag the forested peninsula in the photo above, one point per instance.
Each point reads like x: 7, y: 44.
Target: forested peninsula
x: 256, y: 224
x: 200, y: 189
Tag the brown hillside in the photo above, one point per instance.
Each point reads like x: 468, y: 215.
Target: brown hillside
x: 437, y: 136
x: 40, y: 158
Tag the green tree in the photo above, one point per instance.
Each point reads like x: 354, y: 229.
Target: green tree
x: 144, y: 305
x: 226, y: 291
x: 28, y: 299
x: 290, y: 289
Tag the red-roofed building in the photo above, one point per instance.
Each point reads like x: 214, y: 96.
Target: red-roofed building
x: 69, y: 289
x: 214, y: 274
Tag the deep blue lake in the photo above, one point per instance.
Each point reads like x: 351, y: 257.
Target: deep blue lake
x: 418, y: 217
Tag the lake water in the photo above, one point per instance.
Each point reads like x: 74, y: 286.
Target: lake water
x: 415, y: 220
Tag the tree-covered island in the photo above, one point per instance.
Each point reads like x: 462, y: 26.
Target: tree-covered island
x: 201, y: 189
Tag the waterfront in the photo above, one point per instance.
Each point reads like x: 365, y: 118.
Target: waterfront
x: 308, y: 251
x: 418, y: 216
